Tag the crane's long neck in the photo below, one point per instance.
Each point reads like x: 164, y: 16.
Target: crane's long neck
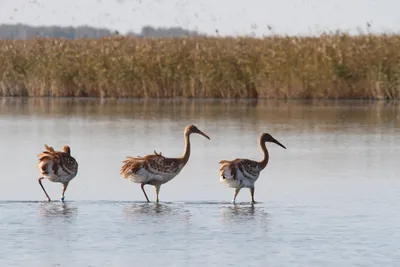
x: 264, y: 161
x: 186, y: 153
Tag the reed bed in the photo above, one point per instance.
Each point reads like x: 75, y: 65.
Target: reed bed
x: 331, y: 66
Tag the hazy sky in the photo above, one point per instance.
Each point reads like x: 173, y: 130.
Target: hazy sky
x: 228, y: 16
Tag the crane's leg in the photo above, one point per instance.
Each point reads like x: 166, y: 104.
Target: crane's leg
x: 252, y: 195
x: 157, y: 186
x: 40, y: 182
x: 144, y: 192
x: 236, y: 192
x: 65, y: 185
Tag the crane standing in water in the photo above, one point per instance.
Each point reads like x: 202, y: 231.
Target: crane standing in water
x: 156, y: 169
x: 240, y: 173
x: 57, y: 166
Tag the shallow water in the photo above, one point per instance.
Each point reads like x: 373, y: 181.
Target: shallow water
x: 330, y: 199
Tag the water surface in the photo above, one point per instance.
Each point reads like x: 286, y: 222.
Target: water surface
x: 330, y: 199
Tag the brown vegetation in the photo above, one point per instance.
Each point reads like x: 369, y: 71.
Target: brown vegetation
x: 330, y: 66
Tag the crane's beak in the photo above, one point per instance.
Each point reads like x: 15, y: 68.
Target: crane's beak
x: 203, y: 134
x: 279, y: 144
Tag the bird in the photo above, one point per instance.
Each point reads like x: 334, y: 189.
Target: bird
x: 240, y: 173
x: 58, y: 167
x: 155, y: 169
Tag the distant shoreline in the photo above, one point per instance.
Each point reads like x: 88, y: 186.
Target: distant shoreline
x: 333, y: 67
x: 21, y: 31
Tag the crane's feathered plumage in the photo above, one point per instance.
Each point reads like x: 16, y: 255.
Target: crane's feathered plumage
x: 240, y: 173
x: 57, y: 166
x: 156, y: 169
x: 151, y: 167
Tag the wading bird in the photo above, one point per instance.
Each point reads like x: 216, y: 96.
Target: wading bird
x: 156, y: 169
x: 240, y: 173
x: 57, y: 166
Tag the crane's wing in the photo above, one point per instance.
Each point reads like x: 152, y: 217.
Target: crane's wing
x: 239, y: 169
x: 150, y: 165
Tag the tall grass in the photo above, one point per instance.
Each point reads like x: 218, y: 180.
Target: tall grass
x: 329, y: 66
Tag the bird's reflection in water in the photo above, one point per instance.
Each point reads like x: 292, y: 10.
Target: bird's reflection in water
x: 157, y: 210
x: 146, y: 208
x: 238, y: 210
x: 242, y: 213
x: 55, y: 210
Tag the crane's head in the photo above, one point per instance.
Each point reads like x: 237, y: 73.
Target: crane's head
x: 266, y: 137
x: 67, y: 149
x: 193, y: 129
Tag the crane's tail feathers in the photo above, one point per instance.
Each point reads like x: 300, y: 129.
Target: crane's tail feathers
x: 49, y: 148
x: 129, y: 158
x: 158, y: 154
x: 47, y: 155
x: 131, y: 165
x: 47, y: 161
x: 227, y: 170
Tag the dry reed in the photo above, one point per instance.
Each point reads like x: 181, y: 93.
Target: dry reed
x: 335, y: 66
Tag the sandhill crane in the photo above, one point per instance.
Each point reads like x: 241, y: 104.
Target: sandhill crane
x: 57, y: 166
x: 156, y: 169
x: 240, y: 173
